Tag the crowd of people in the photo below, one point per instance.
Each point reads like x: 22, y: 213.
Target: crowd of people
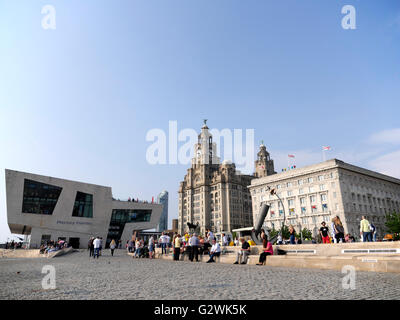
x: 52, y: 246
x: 334, y: 233
x: 13, y: 245
x: 192, y: 245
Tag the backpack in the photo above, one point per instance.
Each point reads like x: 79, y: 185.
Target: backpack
x: 372, y: 227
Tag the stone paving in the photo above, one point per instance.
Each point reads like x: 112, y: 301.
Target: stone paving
x: 121, y: 277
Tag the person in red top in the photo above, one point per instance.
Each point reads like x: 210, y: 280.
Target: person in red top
x: 267, y: 251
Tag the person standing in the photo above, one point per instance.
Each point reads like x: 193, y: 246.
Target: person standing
x: 365, y: 231
x: 243, y: 253
x: 101, y: 245
x: 96, y: 246
x: 333, y: 231
x: 194, y: 243
x: 225, y: 240
x: 215, y: 251
x: 112, y: 247
x: 91, y: 247
x: 292, y: 237
x: 137, y: 247
x: 210, y: 236
x: 324, y: 232
x: 373, y: 232
x: 339, y: 230
x: 163, y: 243
x: 151, y: 247
x: 167, y: 243
x: 177, y: 247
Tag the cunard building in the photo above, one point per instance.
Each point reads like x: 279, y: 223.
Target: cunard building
x: 215, y: 195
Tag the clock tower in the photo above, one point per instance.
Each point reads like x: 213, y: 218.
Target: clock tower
x: 264, y: 166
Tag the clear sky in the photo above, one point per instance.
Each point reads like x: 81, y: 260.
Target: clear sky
x: 76, y: 102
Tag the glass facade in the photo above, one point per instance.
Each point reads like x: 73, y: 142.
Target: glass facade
x: 39, y: 198
x: 163, y: 199
x: 120, y: 217
x: 83, y: 206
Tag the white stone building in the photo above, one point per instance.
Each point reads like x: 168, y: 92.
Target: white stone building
x: 319, y: 192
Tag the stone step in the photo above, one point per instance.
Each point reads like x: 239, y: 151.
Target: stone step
x: 376, y: 263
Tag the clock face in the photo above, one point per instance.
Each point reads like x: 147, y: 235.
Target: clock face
x: 198, y: 153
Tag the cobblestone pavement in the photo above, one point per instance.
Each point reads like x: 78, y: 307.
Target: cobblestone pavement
x: 121, y: 277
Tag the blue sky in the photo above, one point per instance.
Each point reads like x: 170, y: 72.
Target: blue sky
x: 77, y: 102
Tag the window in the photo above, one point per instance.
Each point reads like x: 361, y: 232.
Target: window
x: 300, y: 182
x: 290, y: 193
x: 120, y: 217
x: 303, y: 210
x: 323, y: 197
x: 320, y: 178
x: 301, y: 191
x: 313, y: 199
x: 291, y: 202
x: 311, y: 189
x: 310, y: 180
x: 322, y: 187
x: 83, y: 206
x: 39, y: 198
x: 303, y: 201
x: 289, y: 184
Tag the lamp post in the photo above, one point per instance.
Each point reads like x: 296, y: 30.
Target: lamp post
x: 273, y: 192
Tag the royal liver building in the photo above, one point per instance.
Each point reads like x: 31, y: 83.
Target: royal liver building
x: 216, y: 195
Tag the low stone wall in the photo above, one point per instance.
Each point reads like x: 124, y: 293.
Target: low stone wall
x: 32, y: 253
x: 20, y: 253
x: 374, y: 256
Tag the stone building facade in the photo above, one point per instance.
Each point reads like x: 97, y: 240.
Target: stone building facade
x: 216, y: 195
x: 319, y: 192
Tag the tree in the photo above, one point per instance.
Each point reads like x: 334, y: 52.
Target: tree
x: 307, y: 234
x: 393, y: 222
x: 285, y: 232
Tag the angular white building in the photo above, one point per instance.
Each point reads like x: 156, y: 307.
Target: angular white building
x: 48, y: 208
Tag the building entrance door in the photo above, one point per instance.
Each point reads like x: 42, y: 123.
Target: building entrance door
x: 74, y: 242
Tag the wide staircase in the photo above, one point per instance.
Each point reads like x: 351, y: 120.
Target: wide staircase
x: 368, y: 256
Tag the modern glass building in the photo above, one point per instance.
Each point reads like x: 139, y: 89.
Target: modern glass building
x: 47, y: 208
x: 163, y: 199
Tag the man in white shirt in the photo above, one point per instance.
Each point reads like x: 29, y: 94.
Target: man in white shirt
x: 167, y: 243
x: 210, y: 236
x: 164, y: 241
x: 96, y: 245
x: 224, y: 240
x: 215, y: 251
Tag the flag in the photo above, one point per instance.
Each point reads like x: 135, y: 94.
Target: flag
x: 290, y: 155
x: 326, y: 148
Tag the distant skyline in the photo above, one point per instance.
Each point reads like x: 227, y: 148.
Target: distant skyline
x: 77, y: 102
